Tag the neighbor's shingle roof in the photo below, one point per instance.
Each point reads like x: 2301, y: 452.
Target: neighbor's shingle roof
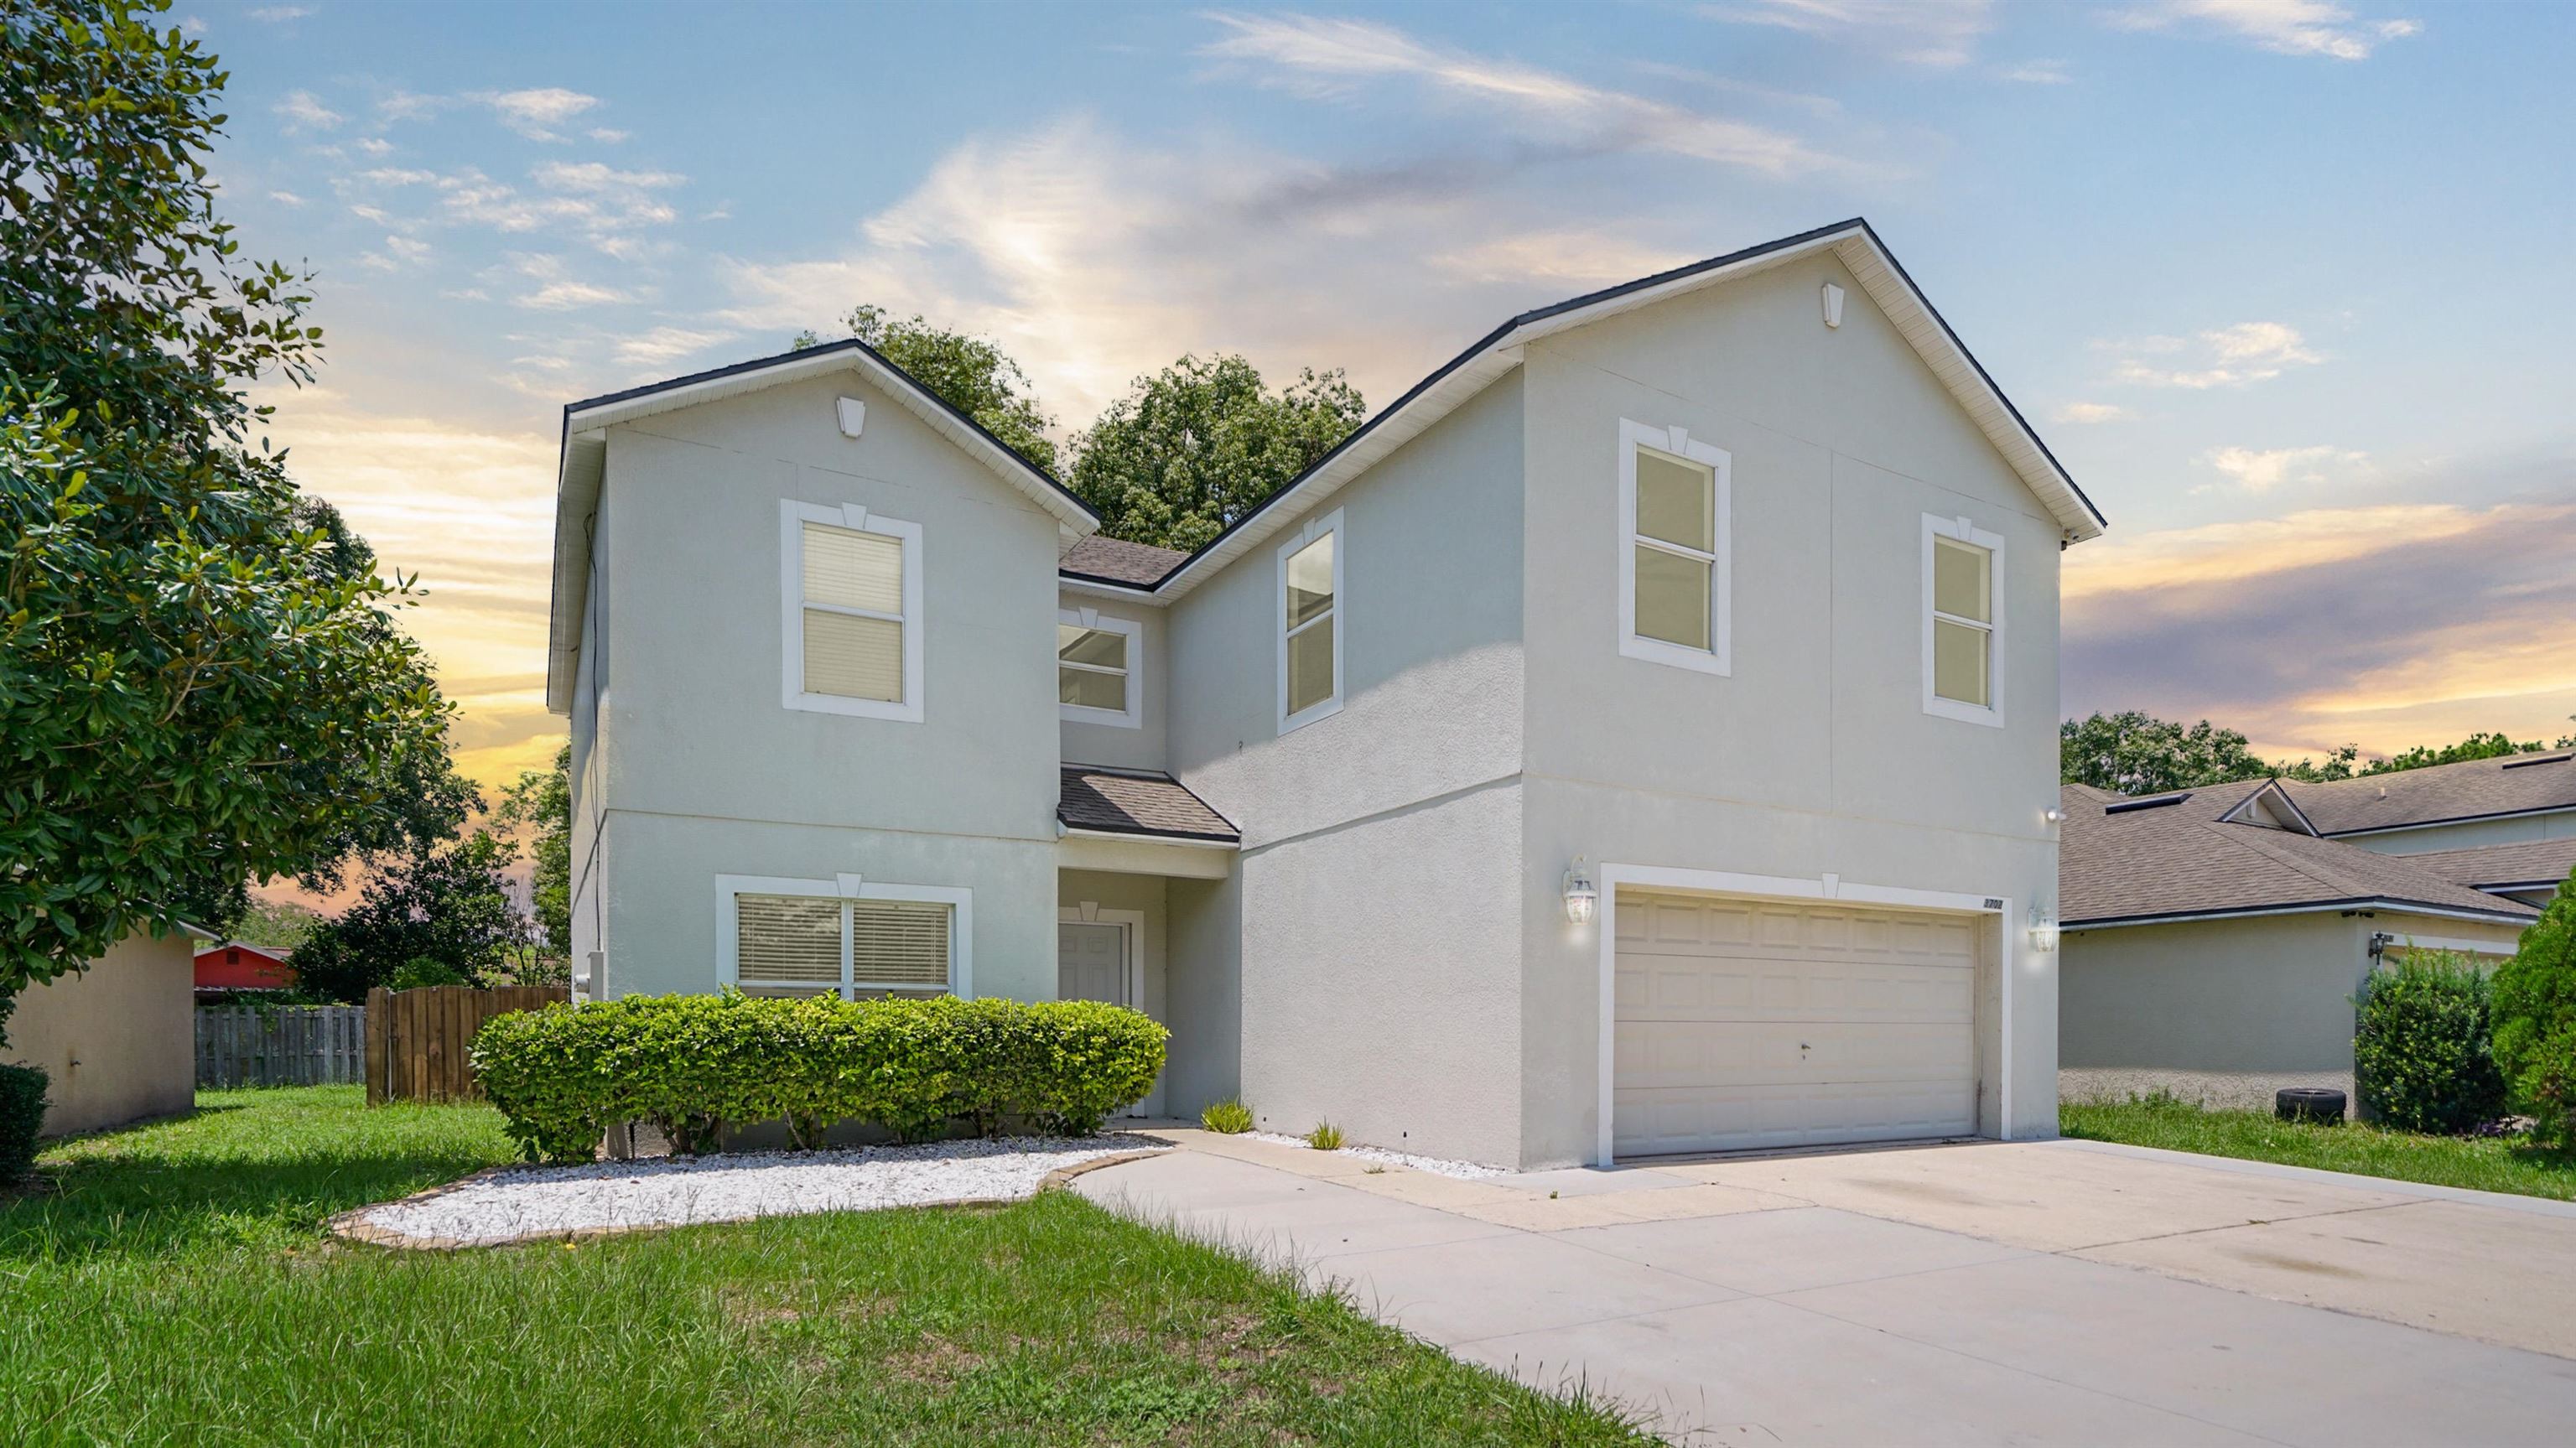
x: 2524, y: 862
x: 2468, y: 790
x: 2183, y: 860
x: 1119, y: 561
x: 1137, y: 802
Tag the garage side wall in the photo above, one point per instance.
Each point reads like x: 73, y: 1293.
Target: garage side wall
x: 117, y: 1041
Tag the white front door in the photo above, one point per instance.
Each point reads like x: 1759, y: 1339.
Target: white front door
x: 1091, y: 962
x: 1758, y: 1023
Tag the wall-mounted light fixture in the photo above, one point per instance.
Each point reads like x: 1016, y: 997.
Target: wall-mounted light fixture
x: 2053, y: 815
x: 2043, y: 929
x: 1581, y: 895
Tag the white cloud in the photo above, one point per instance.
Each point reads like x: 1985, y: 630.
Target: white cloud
x: 278, y: 14
x: 2091, y: 412
x: 2286, y: 27
x: 2038, y: 72
x: 1925, y: 32
x: 407, y: 248
x: 376, y: 146
x: 304, y: 111
x: 2228, y: 357
x: 665, y: 344
x: 557, y: 290
x: 286, y: 198
x: 605, y: 136
x: 1322, y: 57
x: 192, y: 24
x: 398, y: 176
x: 535, y: 113
x: 2260, y: 471
x: 594, y: 176
x: 1574, y: 256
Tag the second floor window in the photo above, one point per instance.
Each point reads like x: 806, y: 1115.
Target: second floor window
x: 1096, y: 668
x: 1310, y: 623
x: 851, y: 588
x: 1962, y: 621
x: 1673, y: 504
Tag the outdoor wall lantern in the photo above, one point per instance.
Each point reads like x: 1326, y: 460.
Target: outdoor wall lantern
x: 2052, y: 815
x: 1580, y: 893
x: 2043, y: 929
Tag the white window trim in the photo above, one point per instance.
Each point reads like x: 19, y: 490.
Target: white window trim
x: 1676, y: 441
x: 792, y: 518
x: 1330, y: 523
x: 961, y: 921
x: 1963, y: 531
x: 1133, y: 716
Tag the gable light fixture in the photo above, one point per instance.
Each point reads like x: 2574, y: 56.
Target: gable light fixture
x: 2043, y: 929
x: 1581, y: 895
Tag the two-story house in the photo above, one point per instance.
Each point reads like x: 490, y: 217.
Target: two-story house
x: 1639, y: 738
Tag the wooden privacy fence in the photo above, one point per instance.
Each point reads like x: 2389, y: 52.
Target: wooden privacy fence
x: 417, y: 1040
x: 280, y: 1045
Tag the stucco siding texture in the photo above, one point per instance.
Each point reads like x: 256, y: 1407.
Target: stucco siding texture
x: 117, y: 1042
x: 1813, y: 755
x: 1203, y: 993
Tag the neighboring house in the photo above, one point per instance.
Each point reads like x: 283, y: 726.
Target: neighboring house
x: 117, y: 1041
x: 1636, y: 739
x: 2506, y: 826
x: 238, y: 965
x: 2215, y: 941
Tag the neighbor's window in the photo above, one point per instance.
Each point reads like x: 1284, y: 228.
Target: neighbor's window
x: 1310, y: 650
x: 802, y: 938
x: 853, y: 617
x: 1096, y: 668
x: 1673, y: 503
x: 1962, y: 620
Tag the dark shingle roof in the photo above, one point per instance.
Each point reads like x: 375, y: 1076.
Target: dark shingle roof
x: 1137, y: 802
x: 2471, y: 789
x: 2525, y: 862
x: 1118, y: 561
x: 2128, y: 864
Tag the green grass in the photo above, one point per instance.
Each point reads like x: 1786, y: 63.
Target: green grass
x: 176, y: 1288
x: 2489, y: 1164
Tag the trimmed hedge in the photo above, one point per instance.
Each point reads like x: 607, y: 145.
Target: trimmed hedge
x: 691, y: 1064
x: 2535, y: 1019
x: 22, y: 1115
x: 2420, y: 1054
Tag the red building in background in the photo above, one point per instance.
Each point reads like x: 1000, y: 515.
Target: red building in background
x: 232, y: 965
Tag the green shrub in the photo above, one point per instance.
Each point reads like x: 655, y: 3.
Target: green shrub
x: 2421, y: 1054
x: 1325, y: 1137
x: 691, y: 1064
x: 22, y: 1115
x: 2535, y: 1017
x: 1229, y: 1117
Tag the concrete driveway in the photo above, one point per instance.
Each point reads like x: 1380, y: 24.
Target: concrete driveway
x: 2046, y: 1292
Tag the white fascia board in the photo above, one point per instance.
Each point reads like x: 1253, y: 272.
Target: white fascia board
x: 1124, y: 593
x: 2328, y: 907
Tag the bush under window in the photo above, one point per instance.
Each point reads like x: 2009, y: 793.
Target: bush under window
x: 693, y: 1064
x: 2421, y: 1053
x: 22, y: 1115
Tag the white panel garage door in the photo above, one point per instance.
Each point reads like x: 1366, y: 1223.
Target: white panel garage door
x: 1754, y: 1023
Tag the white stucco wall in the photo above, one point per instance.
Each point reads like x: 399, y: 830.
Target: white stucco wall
x: 705, y: 773
x: 1814, y: 755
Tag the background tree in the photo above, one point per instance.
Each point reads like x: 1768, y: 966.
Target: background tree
x: 2476, y: 746
x: 277, y: 924
x: 1203, y: 442
x: 2535, y: 1019
x: 967, y: 372
x: 2134, y: 752
x: 196, y: 685
x: 541, y: 802
x: 440, y: 916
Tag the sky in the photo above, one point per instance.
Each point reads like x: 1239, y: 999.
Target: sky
x: 2282, y: 282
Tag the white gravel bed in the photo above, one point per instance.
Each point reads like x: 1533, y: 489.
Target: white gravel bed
x: 1465, y: 1171
x: 737, y: 1186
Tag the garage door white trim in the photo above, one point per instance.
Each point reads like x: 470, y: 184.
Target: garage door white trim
x: 1783, y: 887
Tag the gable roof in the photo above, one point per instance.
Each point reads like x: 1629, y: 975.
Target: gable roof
x: 2442, y: 793
x: 2525, y: 864
x: 585, y: 455
x: 2132, y: 861
x: 1146, y: 803
x: 1498, y: 352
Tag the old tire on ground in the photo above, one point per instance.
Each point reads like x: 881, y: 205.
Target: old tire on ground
x: 2320, y: 1104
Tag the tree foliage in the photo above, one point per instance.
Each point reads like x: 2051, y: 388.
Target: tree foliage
x: 440, y: 916
x: 967, y: 372
x: 2134, y: 752
x: 277, y: 924
x: 2535, y: 1017
x: 198, y: 683
x: 541, y: 802
x: 1201, y: 443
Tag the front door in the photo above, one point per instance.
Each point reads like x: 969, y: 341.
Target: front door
x: 1091, y: 962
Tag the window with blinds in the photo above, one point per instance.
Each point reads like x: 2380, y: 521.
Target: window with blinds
x: 820, y: 945
x: 853, y: 613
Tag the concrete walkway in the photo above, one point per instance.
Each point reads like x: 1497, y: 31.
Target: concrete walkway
x: 2058, y: 1292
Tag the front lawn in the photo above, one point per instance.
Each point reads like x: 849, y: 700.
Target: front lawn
x: 178, y: 1289
x: 2489, y: 1164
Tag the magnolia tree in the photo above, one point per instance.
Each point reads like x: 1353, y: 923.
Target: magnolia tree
x: 199, y: 684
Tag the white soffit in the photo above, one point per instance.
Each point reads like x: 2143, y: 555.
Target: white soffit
x: 1500, y: 351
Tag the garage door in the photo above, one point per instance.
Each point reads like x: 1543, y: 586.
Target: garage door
x: 1749, y: 1023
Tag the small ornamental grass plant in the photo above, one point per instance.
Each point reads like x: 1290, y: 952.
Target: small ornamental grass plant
x: 1325, y: 1137
x: 1229, y: 1117
x: 693, y: 1064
